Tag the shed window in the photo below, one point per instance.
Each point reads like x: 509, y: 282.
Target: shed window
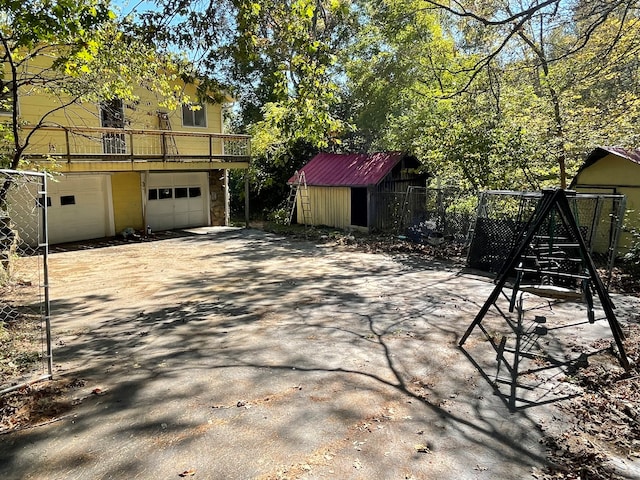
x: 68, y: 200
x: 194, y: 192
x: 153, y: 194
x: 181, y: 192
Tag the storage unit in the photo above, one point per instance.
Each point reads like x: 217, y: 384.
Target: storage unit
x: 353, y: 190
x: 614, y: 170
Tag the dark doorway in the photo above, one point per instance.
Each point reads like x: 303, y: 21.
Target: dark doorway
x: 359, y: 207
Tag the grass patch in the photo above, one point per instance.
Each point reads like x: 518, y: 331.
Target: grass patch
x: 20, y: 342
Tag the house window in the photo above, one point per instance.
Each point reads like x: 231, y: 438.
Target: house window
x: 177, y: 192
x: 160, y: 193
x: 68, y: 200
x: 194, y: 118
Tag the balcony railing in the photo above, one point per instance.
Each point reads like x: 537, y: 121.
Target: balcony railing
x: 114, y: 144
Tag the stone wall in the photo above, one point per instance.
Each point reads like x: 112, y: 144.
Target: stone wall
x: 217, y: 197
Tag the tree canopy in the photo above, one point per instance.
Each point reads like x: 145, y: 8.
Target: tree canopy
x: 73, y: 52
x: 492, y: 94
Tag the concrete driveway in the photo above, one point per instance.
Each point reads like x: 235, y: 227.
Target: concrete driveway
x: 236, y: 354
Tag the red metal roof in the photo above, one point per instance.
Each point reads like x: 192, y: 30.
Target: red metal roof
x: 349, y: 170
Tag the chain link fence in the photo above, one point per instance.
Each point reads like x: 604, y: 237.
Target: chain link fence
x: 25, y: 333
x: 502, y: 217
x: 432, y: 215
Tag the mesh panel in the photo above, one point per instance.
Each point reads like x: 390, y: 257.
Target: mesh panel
x: 24, y: 330
x: 502, y: 217
x: 420, y: 211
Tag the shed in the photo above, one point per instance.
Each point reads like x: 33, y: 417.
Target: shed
x: 357, y: 190
x: 614, y: 170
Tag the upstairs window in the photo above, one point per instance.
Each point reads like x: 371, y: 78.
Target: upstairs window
x: 194, y: 118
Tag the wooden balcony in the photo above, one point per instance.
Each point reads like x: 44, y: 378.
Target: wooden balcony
x: 73, y: 148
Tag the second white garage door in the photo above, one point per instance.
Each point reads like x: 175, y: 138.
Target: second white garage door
x: 177, y: 200
x: 79, y: 208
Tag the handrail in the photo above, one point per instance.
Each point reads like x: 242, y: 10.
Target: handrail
x: 137, y: 131
x: 73, y: 143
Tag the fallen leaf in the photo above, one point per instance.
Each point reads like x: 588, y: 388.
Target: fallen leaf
x: 188, y: 473
x: 421, y: 448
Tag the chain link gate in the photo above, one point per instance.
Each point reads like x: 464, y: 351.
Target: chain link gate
x: 25, y: 330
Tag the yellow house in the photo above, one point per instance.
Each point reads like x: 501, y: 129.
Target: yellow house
x: 614, y: 170
x: 131, y: 165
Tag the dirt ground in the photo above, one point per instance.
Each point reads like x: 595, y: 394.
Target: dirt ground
x: 235, y: 354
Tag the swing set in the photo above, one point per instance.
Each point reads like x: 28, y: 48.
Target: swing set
x: 551, y: 259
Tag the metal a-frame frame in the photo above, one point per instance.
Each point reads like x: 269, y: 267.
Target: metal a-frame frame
x: 554, y: 200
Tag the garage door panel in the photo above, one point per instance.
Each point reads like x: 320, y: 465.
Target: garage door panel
x: 80, y: 208
x: 187, y: 206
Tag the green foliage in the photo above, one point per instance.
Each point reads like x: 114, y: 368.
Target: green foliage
x: 481, y: 106
x: 279, y: 216
x: 74, y: 52
x: 294, y: 44
x: 487, y: 96
x: 268, y: 179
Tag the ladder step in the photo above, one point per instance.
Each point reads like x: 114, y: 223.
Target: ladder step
x: 548, y: 237
x: 555, y: 245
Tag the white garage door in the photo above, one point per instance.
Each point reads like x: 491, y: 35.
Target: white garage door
x: 177, y: 200
x: 79, y: 208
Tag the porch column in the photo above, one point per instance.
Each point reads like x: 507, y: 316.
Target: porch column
x: 226, y: 197
x: 246, y: 198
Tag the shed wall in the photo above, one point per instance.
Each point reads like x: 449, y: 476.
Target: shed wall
x: 330, y: 206
x: 613, y: 174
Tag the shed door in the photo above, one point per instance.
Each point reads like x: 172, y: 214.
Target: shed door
x: 359, y: 207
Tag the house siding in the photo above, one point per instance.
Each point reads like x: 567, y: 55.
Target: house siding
x: 127, y: 201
